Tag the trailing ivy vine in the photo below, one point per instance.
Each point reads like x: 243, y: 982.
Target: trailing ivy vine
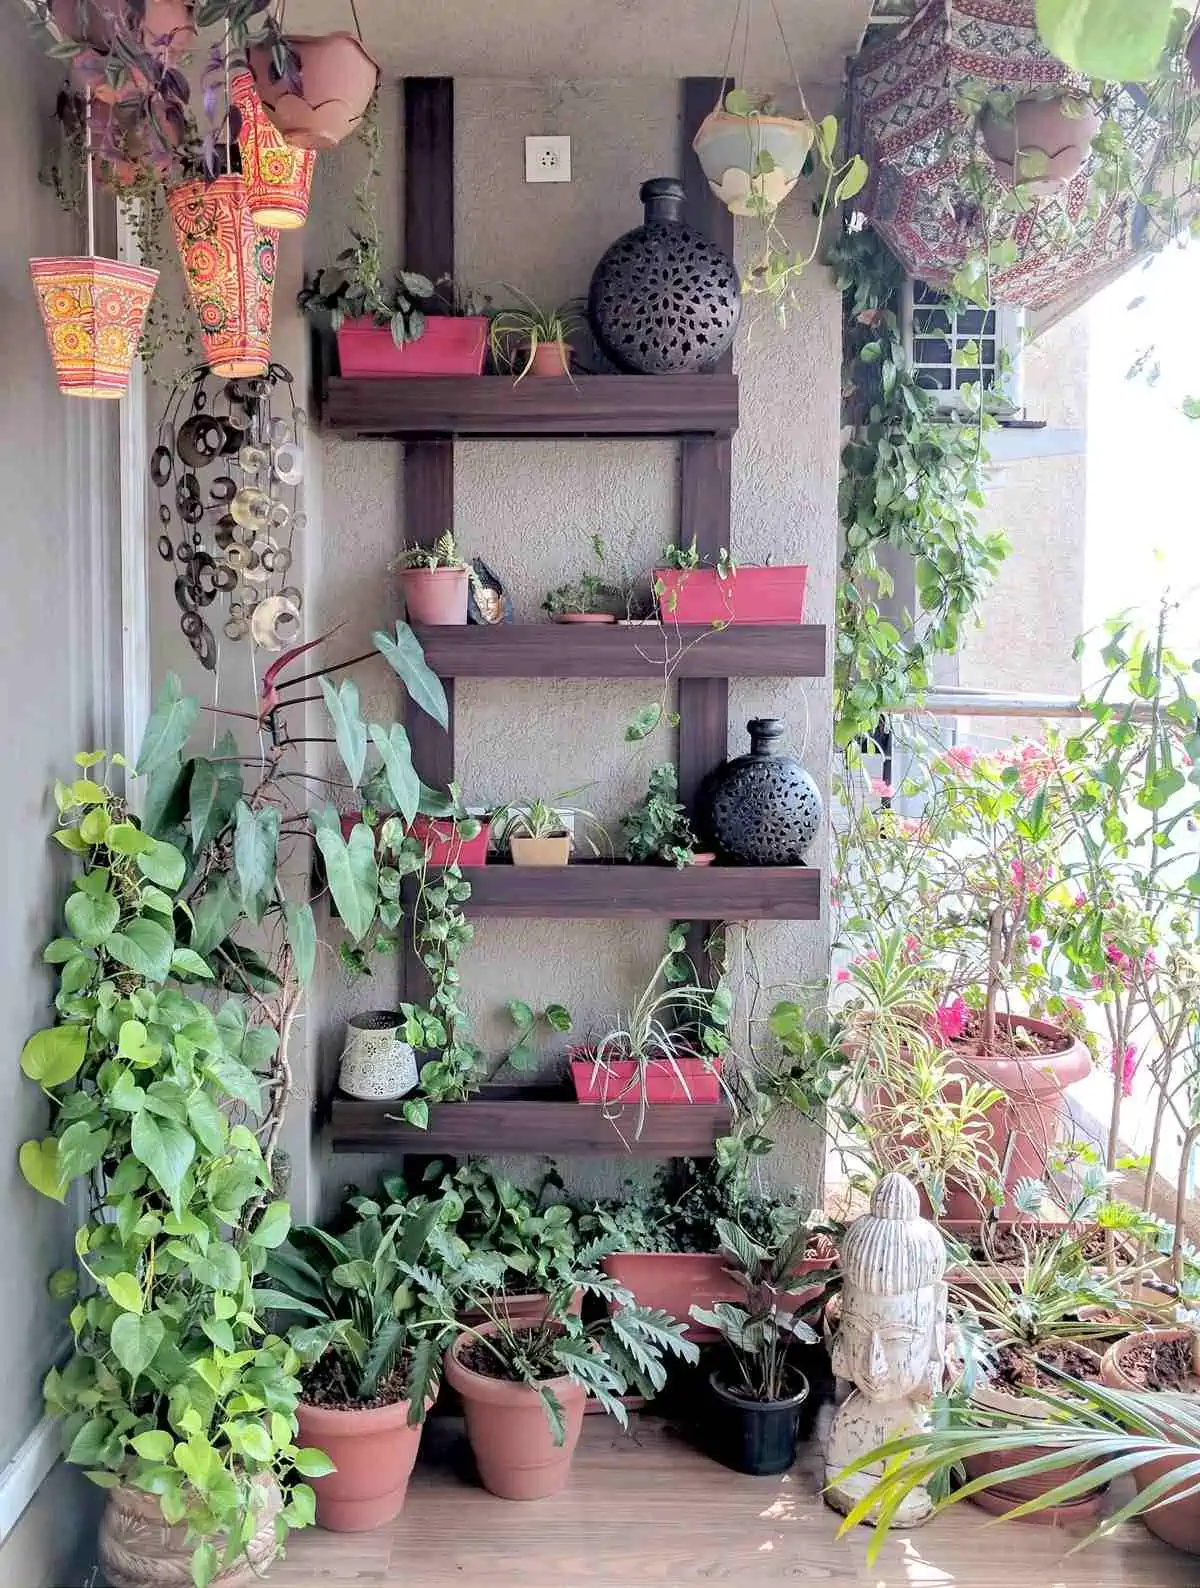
x: 912, y: 479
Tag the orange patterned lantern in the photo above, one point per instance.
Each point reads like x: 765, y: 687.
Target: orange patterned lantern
x: 93, y: 310
x: 229, y: 263
x: 278, y: 176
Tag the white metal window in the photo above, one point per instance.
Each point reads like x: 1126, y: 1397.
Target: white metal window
x: 936, y: 335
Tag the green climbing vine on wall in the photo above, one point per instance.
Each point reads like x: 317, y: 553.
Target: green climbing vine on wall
x: 911, y: 479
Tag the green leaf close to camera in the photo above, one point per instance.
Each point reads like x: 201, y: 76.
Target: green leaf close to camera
x: 403, y: 654
x: 170, y: 726
x: 53, y: 1056
x: 349, y: 729
x: 396, y: 754
x: 351, y: 870
x: 145, y: 947
x: 1117, y: 40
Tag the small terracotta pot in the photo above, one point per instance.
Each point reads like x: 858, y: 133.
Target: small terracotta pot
x: 1044, y: 143
x: 1176, y: 1522
x: 435, y: 595
x: 138, y: 1550
x: 585, y: 617
x: 510, y: 1436
x: 374, y: 1449
x: 337, y: 78
x: 550, y: 358
x: 703, y: 857
x: 554, y: 851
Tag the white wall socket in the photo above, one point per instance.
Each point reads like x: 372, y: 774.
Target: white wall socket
x: 547, y: 159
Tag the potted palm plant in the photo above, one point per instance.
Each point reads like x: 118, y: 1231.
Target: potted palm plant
x: 435, y: 581
x: 524, y: 1384
x: 758, y: 1391
x: 533, y: 341
x: 373, y: 1357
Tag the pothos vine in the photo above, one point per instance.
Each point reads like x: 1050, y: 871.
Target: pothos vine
x: 911, y: 479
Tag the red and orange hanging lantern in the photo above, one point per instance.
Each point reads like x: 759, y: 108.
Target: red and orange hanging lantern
x: 229, y: 263
x: 93, y: 310
x: 278, y: 176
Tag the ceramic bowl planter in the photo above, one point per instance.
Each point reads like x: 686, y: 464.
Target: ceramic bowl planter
x: 437, y: 596
x: 552, y: 851
x: 506, y: 1424
x: 730, y: 149
x: 374, y: 1449
x: 745, y: 595
x: 757, y: 1437
x: 1042, y: 144
x: 337, y: 77
x: 93, y: 310
x: 615, y: 1082
x: 449, y: 345
x: 1176, y: 1522
x: 138, y: 1550
x: 377, y: 1064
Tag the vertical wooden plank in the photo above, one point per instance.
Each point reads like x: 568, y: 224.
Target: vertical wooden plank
x: 428, y: 206
x: 705, y: 486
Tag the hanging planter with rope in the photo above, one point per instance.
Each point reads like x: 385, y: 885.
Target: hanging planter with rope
x: 315, y: 88
x: 93, y: 309
x: 278, y: 174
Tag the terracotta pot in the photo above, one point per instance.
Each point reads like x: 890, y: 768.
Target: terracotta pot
x: 138, y: 1550
x: 374, y: 1449
x: 585, y: 617
x: 553, y: 851
x: 675, y: 1282
x: 435, y: 595
x: 167, y: 24
x: 510, y: 1436
x: 449, y: 345
x: 748, y: 595
x: 1176, y: 1522
x: 703, y: 857
x: 1043, y: 144
x: 1004, y: 1497
x: 337, y: 78
x: 524, y: 1306
x: 616, y: 1082
x: 550, y: 358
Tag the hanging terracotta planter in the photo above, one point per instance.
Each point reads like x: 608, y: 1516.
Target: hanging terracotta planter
x: 168, y: 25
x: 336, y: 78
x: 229, y: 263
x: 1041, y: 145
x: 731, y: 148
x: 278, y: 175
x: 93, y: 310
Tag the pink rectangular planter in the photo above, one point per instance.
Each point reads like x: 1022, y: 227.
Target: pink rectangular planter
x: 749, y: 595
x: 617, y: 1082
x: 678, y: 1281
x: 449, y: 345
x: 446, y: 848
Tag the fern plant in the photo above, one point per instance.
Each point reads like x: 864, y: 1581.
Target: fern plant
x: 611, y: 1356
x: 442, y: 554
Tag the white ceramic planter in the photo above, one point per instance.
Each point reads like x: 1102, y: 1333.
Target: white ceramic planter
x: 729, y: 148
x: 377, y: 1066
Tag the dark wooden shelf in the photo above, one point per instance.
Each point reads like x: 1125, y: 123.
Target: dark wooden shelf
x: 621, y: 650
x: 514, y: 1120
x: 592, y: 890
x: 424, y: 408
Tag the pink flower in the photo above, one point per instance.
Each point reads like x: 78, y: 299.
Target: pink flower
x: 962, y: 758
x: 1126, y: 1067
x: 843, y: 975
x: 1035, y: 941
x: 1074, y: 1005
x: 912, y: 947
x: 1097, y: 982
x: 882, y: 790
x: 951, y: 1020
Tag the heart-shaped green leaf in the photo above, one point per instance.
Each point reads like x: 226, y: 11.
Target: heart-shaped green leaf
x: 271, y: 1230
x: 54, y: 1055
x: 92, y: 919
x: 405, y: 785
x: 352, y: 872
x: 135, y: 1341
x: 39, y: 1165
x: 162, y: 864
x: 1119, y: 40
x: 256, y: 837
x: 170, y: 725
x: 145, y: 947
x: 125, y: 1291
x: 166, y: 1148
x: 302, y: 937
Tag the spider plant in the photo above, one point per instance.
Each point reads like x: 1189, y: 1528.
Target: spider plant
x: 611, y: 1356
x: 516, y: 334
x: 539, y: 819
x: 1085, y: 1429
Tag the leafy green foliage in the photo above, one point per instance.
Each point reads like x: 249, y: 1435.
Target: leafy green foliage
x: 1107, y: 38
x: 658, y: 828
x: 522, y: 1054
x: 911, y: 481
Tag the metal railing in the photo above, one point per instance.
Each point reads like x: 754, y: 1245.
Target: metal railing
x: 950, y: 701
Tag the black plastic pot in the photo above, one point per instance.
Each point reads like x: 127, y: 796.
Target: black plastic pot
x: 758, y: 1437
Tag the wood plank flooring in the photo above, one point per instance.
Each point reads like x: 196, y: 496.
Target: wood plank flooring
x: 649, y: 1510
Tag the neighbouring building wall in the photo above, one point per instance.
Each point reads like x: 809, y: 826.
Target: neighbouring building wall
x: 60, y: 649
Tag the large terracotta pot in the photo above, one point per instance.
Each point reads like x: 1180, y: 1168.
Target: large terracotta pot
x: 337, y: 78
x: 373, y: 1449
x: 138, y: 1550
x: 675, y: 1282
x: 1176, y: 1522
x: 1043, y: 144
x: 509, y: 1433
x: 435, y: 595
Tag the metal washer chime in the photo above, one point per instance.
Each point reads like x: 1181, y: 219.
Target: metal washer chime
x: 228, y: 471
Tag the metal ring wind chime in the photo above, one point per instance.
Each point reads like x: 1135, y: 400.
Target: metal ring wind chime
x: 228, y: 468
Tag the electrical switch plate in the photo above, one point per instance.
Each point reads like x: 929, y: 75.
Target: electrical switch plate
x: 547, y: 159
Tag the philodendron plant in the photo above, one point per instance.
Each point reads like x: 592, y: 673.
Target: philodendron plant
x: 173, y: 1387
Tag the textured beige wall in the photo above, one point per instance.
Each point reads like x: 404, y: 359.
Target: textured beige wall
x: 58, y: 628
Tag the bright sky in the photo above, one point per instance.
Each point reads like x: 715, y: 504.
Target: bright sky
x: 1143, y: 510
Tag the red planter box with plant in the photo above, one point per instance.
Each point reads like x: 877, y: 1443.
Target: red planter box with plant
x: 745, y: 595
x: 449, y: 345
x: 618, y: 1081
x: 444, y: 846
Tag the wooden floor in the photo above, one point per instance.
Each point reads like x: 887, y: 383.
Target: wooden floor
x: 647, y: 1509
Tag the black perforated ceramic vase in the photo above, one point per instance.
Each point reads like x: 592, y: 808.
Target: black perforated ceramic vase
x: 763, y: 809
x: 664, y: 300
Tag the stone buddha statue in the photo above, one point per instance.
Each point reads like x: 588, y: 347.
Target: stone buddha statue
x: 891, y: 1342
